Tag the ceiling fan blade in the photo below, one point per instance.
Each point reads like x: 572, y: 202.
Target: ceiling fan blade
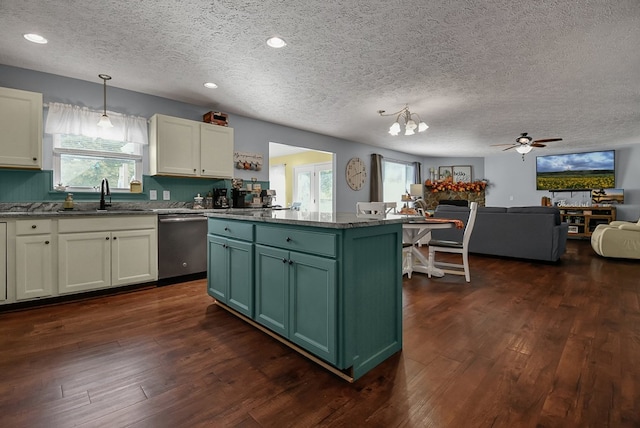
x: 538, y: 145
x: 495, y: 145
x: 509, y: 148
x: 548, y: 140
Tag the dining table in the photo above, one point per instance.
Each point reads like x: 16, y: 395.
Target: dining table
x: 419, y: 227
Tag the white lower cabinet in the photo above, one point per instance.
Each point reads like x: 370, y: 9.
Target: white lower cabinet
x: 100, y: 253
x: 35, y: 255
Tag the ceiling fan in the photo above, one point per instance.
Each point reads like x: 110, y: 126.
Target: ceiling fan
x: 524, y: 144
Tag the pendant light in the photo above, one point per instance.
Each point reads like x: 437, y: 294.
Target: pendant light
x: 105, y: 122
x: 410, y: 125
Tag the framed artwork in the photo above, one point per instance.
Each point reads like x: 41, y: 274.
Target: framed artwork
x: 461, y: 173
x: 444, y: 172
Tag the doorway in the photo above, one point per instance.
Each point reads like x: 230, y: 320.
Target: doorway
x: 313, y: 187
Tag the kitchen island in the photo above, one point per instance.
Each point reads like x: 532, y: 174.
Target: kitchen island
x: 329, y: 285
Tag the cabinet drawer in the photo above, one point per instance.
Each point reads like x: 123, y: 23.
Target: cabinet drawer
x: 231, y: 229
x: 298, y: 240
x: 33, y: 227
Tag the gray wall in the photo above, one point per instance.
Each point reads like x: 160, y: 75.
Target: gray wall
x: 512, y: 182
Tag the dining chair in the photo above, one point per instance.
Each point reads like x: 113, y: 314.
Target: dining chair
x: 407, y: 259
x: 462, y: 248
x: 371, y: 209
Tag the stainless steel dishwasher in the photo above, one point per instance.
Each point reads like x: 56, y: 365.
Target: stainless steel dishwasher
x: 182, y: 247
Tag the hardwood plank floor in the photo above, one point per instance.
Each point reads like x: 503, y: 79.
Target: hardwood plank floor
x: 525, y: 344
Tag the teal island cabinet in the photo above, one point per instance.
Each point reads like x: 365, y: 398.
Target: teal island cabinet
x: 329, y: 285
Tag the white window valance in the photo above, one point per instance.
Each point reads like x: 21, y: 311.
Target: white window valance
x: 75, y: 120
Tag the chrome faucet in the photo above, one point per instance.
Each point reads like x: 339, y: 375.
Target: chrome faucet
x: 104, y: 191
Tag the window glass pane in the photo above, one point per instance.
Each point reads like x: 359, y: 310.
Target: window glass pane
x: 88, y: 171
x: 326, y: 190
x: 78, y: 142
x: 397, y: 180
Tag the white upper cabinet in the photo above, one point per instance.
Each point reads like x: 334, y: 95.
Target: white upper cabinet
x: 188, y: 148
x: 20, y: 129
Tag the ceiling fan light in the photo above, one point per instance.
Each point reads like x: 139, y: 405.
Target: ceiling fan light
x: 422, y: 127
x: 524, y: 149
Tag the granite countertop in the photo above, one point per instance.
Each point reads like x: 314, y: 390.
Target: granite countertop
x: 305, y: 218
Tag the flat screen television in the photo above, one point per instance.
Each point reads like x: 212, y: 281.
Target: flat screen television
x: 576, y: 171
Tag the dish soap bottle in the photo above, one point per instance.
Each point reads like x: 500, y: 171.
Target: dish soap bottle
x: 68, y: 202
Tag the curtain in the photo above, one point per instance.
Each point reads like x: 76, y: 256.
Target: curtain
x: 417, y: 171
x: 75, y: 120
x: 375, y: 189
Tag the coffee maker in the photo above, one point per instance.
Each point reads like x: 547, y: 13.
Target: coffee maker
x: 220, y: 199
x: 238, y: 198
x: 267, y: 196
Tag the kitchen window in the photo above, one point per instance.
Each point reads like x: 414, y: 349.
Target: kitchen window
x: 84, y: 154
x: 397, y: 178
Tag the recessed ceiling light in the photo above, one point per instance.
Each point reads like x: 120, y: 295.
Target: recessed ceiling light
x: 276, y: 42
x: 210, y: 85
x: 36, y: 38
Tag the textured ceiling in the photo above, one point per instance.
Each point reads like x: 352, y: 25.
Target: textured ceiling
x: 479, y: 72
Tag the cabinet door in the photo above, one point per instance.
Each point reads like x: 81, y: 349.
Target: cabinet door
x: 313, y: 304
x: 21, y: 124
x: 84, y: 261
x: 134, y: 257
x: 272, y: 288
x: 240, y: 276
x: 217, y: 268
x: 34, y: 266
x: 3, y: 261
x: 175, y: 146
x: 216, y: 151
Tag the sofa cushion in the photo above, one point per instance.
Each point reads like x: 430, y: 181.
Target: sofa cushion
x: 537, y: 210
x: 492, y: 209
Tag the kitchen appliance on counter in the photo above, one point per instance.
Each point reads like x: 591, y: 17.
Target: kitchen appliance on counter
x: 238, y: 198
x: 267, y: 196
x: 220, y: 199
x: 182, y: 247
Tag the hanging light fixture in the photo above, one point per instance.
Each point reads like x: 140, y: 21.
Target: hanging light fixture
x: 410, y: 124
x: 105, y: 122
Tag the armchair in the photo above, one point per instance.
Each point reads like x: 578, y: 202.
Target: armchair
x: 617, y: 239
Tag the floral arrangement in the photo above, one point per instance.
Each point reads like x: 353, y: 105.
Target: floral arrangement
x: 449, y: 185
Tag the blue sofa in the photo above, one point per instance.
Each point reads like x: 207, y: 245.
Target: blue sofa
x: 534, y: 233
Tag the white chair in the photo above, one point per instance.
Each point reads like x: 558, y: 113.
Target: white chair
x: 371, y: 209
x: 407, y: 259
x: 462, y: 248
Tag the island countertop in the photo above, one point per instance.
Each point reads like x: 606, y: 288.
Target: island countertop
x: 334, y: 220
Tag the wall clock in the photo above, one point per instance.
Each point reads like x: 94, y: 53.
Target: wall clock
x: 356, y: 173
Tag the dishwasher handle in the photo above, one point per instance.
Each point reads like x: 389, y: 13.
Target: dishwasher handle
x: 181, y: 219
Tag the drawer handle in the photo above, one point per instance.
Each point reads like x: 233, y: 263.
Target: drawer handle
x: 226, y: 229
x: 33, y: 226
x: 289, y: 239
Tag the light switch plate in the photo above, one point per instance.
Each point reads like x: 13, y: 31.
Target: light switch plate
x: 166, y: 195
x: 153, y: 195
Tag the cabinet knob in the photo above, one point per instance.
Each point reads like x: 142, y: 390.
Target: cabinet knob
x: 46, y: 242
x: 194, y: 170
x: 288, y: 239
x: 35, y: 159
x: 290, y: 261
x: 284, y: 260
x: 226, y: 229
x: 115, y: 237
x: 107, y: 238
x: 203, y: 171
x: 33, y: 226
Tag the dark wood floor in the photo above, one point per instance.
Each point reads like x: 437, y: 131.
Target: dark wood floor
x: 524, y: 345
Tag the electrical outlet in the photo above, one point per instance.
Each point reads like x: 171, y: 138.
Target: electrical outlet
x: 166, y: 195
x: 153, y: 195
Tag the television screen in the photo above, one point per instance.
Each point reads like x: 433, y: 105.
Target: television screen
x: 607, y: 196
x: 576, y: 171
